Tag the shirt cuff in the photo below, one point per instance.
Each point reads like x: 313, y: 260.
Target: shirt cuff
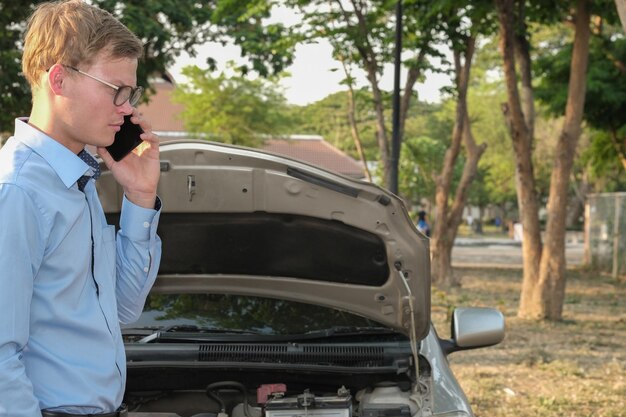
x: 139, y: 223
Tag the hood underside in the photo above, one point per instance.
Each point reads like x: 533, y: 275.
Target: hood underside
x: 241, y: 221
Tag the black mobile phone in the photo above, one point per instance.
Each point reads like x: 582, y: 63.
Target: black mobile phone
x: 126, y: 139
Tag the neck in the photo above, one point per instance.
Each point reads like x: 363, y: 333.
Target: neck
x: 42, y: 118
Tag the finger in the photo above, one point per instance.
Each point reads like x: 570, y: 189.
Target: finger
x: 137, y: 118
x: 151, y: 138
x: 148, y: 134
x: 106, y: 157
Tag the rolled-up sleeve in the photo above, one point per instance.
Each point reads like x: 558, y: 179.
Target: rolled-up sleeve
x: 138, y: 258
x: 21, y: 252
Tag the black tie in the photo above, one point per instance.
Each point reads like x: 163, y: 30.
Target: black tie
x: 91, y: 161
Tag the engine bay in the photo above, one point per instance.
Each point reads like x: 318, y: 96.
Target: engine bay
x: 234, y: 399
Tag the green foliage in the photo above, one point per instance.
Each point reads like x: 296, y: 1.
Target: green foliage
x: 605, y: 166
x: 420, y: 159
x: 236, y: 109
x: 268, y: 46
x: 167, y: 28
x: 170, y: 27
x: 496, y: 175
x: 605, y: 102
x: 14, y: 92
x: 328, y: 117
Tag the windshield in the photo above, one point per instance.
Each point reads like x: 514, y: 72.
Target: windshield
x: 243, y: 314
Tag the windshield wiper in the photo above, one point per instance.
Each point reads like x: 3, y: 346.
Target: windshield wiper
x: 180, y: 332
x: 192, y: 328
x: 193, y: 334
x: 348, y: 331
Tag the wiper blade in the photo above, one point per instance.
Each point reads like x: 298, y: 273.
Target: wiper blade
x: 349, y: 331
x: 192, y: 328
x: 184, y: 333
x: 138, y: 331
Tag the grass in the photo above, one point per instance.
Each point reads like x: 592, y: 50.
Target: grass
x: 574, y: 367
x: 489, y: 230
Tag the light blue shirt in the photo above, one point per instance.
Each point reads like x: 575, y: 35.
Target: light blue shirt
x: 60, y: 341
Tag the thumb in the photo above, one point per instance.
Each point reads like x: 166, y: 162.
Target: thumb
x: 106, y: 157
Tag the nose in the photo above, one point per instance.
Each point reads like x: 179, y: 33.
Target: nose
x: 125, y: 108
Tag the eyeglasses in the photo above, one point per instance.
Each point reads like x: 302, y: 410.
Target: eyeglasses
x: 123, y: 92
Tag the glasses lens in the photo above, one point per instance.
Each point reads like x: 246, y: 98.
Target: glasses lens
x: 123, y: 94
x: 135, y: 96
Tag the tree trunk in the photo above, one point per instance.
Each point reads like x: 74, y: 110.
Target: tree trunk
x: 620, y: 147
x: 413, y: 75
x: 371, y: 68
x: 354, y: 130
x: 381, y: 130
x: 522, y: 55
x: 442, y: 258
x: 474, y: 153
x: 576, y: 204
x: 522, y: 145
x: 355, y: 134
x: 550, y: 293
x: 449, y: 219
x: 621, y: 10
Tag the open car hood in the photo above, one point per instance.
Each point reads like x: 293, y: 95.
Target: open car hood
x: 242, y: 221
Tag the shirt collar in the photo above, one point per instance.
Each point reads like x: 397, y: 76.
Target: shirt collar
x: 68, y: 166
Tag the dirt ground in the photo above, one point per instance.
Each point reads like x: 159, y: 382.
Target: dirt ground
x: 575, y: 367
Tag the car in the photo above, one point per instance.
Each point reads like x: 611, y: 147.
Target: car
x: 288, y: 290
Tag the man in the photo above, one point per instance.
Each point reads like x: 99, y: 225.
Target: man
x: 66, y: 279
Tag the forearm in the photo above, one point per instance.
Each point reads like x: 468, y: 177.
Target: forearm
x: 138, y: 258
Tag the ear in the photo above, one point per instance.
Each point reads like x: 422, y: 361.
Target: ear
x: 56, y: 78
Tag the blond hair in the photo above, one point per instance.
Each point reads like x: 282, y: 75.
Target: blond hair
x: 72, y: 33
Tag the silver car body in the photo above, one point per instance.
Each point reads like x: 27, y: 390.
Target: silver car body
x: 390, y: 284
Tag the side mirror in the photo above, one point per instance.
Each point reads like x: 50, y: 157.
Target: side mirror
x: 473, y: 328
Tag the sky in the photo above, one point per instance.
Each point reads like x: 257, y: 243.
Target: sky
x: 311, y: 75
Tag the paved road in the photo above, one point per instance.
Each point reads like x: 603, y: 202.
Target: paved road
x: 502, y: 252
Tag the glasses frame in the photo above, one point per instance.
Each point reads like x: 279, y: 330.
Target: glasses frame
x: 135, y: 92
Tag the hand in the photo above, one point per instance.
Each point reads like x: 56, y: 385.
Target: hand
x: 138, y: 172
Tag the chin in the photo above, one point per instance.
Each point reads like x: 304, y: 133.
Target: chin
x: 106, y: 141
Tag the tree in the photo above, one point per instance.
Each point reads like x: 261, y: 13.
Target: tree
x: 496, y: 167
x: 14, y: 92
x: 420, y: 158
x: 449, y: 217
x: 166, y: 28
x: 362, y: 34
x: 621, y: 9
x: 464, y: 22
x: 543, y: 286
x: 234, y: 109
x: 329, y: 118
x: 605, y: 102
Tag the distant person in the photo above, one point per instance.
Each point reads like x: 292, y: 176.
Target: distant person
x: 422, y: 224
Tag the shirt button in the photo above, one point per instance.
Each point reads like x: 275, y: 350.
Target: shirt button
x: 146, y: 224
x: 146, y: 269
